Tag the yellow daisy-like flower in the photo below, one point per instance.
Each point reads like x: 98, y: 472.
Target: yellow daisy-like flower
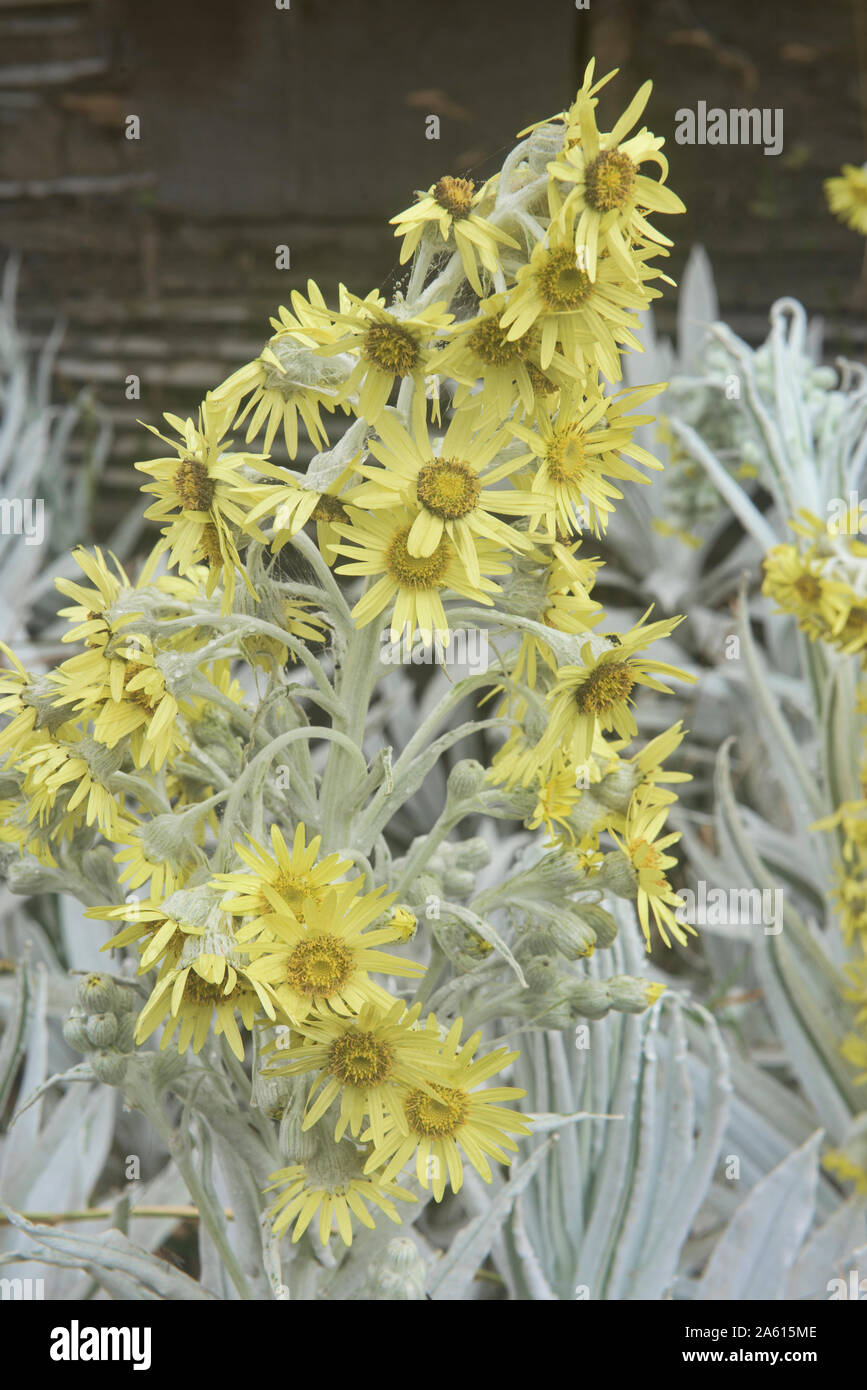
x: 589, y: 318
x: 207, y: 991
x: 91, y: 611
x: 608, y: 190
x: 451, y: 484
x: 846, y: 195
x: 580, y: 446
x: 448, y: 206
x: 28, y: 700
x: 288, y: 380
x: 153, y: 853
x: 797, y: 583
x: 558, y: 796
x: 597, y: 694
x: 457, y: 1120
x: 379, y: 545
x: 564, y: 605
x: 127, y: 697
x: 391, y: 348
x: 479, y: 350
x: 298, y: 501
x: 287, y: 879
x: 645, y: 848
x: 203, y: 495
x: 331, y: 1184
x: 160, y: 937
x: 75, y: 769
x: 370, y: 1062
x: 326, y: 960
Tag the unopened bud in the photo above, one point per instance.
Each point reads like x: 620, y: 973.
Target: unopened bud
x: 98, y: 994
x: 101, y: 1029
x: 108, y: 1066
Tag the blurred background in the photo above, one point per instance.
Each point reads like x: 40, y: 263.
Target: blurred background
x: 306, y: 127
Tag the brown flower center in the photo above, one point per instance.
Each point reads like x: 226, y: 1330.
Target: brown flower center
x: 391, y: 348
x: 194, y: 486
x: 438, y: 1117
x: 416, y: 571
x: 449, y: 488
x: 561, y: 284
x: 320, y: 965
x: 360, y: 1059
x: 455, y: 195
x: 604, y: 687
x: 609, y: 180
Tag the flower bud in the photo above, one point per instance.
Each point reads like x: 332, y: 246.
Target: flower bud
x: 108, y: 1066
x: 101, y: 1029
x: 458, y: 883
x: 125, y: 1038
x: 399, y: 1274
x: 618, y: 874
x: 474, y: 853
x: 602, y: 923
x: 466, y: 779
x: 572, y: 937
x: 29, y: 877
x: 75, y: 1032
x: 98, y: 994
x: 423, y: 888
x: 616, y: 788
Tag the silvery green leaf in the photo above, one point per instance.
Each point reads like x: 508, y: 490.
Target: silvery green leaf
x: 112, y: 1254
x: 452, y: 1275
x: 754, y: 1255
x: 831, y: 1250
x: 697, y: 307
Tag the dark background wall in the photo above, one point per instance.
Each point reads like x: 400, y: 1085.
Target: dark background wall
x: 306, y: 126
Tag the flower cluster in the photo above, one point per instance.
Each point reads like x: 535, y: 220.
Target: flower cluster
x: 484, y: 435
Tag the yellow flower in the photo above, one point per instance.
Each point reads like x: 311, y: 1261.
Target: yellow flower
x: 333, y: 1185
x: 28, y: 699
x: 283, y: 880
x: 160, y: 936
x: 288, y: 380
x: 203, y: 495
x: 608, y: 189
x: 847, y: 197
x: 75, y: 769
x: 798, y: 585
x: 449, y: 484
x: 391, y: 347
x: 558, y: 796
x: 207, y: 990
x: 126, y: 696
x: 580, y: 446
x: 589, y: 318
x: 379, y: 545
x: 153, y: 852
x: 597, y: 695
x: 480, y: 350
x: 458, y: 1119
x: 297, y: 501
x: 370, y: 1062
x: 326, y: 960
x: 448, y: 206
x: 645, y: 849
